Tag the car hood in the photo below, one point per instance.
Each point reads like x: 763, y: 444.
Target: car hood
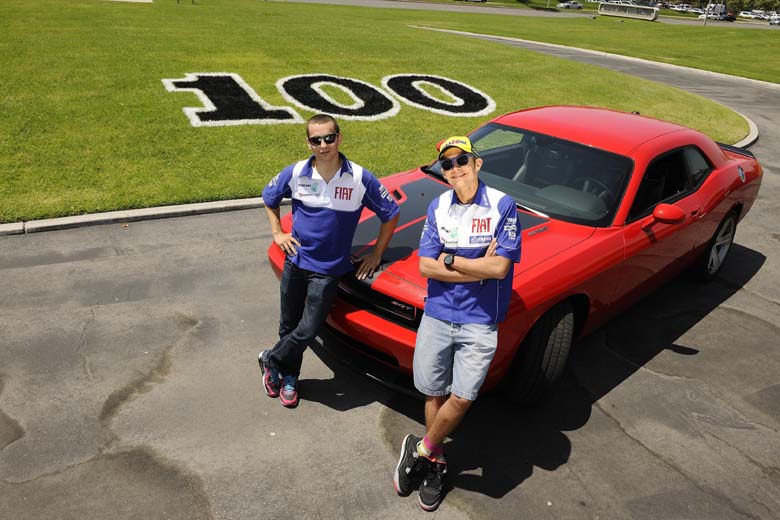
x: 399, y: 275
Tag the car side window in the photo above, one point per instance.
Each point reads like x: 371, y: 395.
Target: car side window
x: 698, y: 166
x: 666, y: 178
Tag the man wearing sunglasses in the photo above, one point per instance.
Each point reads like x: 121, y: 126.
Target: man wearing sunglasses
x: 328, y: 194
x: 468, y: 248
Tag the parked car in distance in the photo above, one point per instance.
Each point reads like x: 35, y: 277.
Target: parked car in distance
x: 610, y: 206
x: 723, y: 17
x: 569, y: 4
x: 774, y: 21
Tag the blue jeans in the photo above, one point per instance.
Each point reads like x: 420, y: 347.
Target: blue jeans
x: 306, y: 299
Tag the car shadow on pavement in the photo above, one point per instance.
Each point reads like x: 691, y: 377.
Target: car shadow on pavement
x: 498, y: 444
x: 656, y: 324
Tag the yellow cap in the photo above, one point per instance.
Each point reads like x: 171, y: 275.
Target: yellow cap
x: 456, y: 141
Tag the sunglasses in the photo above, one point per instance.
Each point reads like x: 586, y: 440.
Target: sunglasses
x: 316, y: 140
x: 461, y: 160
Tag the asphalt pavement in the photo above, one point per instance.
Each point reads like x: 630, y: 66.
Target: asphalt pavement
x: 129, y: 385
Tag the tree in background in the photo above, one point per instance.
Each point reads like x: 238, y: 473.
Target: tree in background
x: 748, y: 5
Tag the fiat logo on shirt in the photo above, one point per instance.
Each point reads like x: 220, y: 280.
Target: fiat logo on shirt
x: 343, y: 193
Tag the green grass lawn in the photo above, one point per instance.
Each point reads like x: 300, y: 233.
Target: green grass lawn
x: 725, y: 48
x: 88, y: 126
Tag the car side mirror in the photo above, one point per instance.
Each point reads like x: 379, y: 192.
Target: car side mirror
x: 668, y: 214
x: 665, y: 213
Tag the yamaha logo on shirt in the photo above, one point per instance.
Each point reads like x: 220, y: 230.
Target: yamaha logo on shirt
x: 480, y: 239
x: 385, y: 193
x: 510, y: 226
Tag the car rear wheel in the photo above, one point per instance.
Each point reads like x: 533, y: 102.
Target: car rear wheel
x: 542, y: 356
x: 718, y: 248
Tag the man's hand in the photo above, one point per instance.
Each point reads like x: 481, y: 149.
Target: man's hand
x: 287, y: 243
x: 491, y: 250
x: 368, y: 265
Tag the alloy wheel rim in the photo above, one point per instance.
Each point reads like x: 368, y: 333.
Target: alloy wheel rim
x: 721, y: 246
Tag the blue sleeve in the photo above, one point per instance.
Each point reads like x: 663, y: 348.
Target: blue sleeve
x: 430, y: 243
x: 508, y: 231
x: 378, y: 199
x: 278, y: 188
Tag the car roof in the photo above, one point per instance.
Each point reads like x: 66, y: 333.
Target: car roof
x: 611, y: 130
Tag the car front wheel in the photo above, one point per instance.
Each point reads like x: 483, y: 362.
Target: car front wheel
x: 541, y: 357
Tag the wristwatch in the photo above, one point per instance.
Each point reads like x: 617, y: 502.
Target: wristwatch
x: 449, y: 260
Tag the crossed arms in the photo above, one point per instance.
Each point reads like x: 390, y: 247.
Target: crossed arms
x: 465, y: 269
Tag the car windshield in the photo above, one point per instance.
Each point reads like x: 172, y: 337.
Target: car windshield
x: 562, y: 179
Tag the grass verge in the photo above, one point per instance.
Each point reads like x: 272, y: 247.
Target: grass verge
x: 87, y: 125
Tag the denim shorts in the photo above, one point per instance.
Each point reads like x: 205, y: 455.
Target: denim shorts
x: 452, y: 358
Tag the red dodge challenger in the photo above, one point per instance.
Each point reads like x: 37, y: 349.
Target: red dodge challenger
x: 610, y: 204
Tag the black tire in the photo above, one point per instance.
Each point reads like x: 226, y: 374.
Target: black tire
x: 541, y: 357
x: 717, y: 250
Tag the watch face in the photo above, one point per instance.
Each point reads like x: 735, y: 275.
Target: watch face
x: 449, y: 259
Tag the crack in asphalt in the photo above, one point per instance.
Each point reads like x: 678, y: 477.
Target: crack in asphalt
x: 605, y: 340
x: 143, y: 383
x: 594, y: 500
x: 115, y: 244
x: 54, y: 473
x: 771, y: 472
x: 707, y: 388
x: 145, y: 456
x: 670, y: 464
x: 750, y: 316
x: 147, y: 380
x: 83, y: 341
x: 761, y: 297
x: 140, y: 464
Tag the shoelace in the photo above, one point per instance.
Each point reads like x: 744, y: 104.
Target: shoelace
x: 416, y: 464
x: 434, y: 475
x: 273, y: 375
x: 289, y: 383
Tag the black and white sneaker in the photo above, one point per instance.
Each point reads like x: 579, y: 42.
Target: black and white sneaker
x: 432, y: 484
x: 409, y: 465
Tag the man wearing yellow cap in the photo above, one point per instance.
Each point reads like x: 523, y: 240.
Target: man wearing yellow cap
x: 468, y: 248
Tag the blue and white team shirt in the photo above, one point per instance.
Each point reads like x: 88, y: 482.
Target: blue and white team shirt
x: 467, y: 230
x: 326, y: 214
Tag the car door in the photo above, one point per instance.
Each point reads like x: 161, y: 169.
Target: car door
x: 655, y: 250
